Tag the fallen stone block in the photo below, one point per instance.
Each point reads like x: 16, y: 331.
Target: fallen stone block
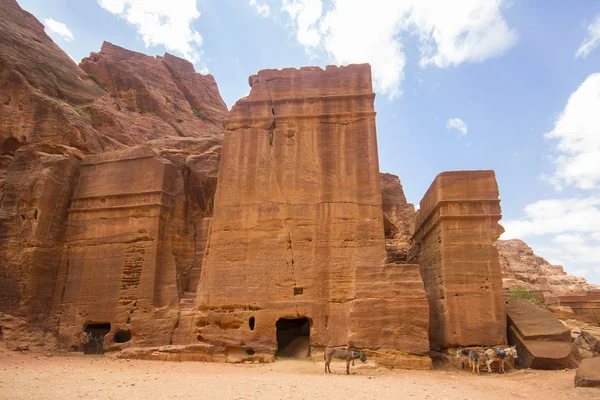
x: 588, y: 373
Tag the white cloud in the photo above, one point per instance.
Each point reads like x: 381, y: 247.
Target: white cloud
x: 263, y: 9
x: 578, y: 132
x: 453, y: 32
x: 581, y: 272
x: 162, y: 23
x: 591, y: 40
x: 113, y: 6
x: 556, y: 216
x: 458, y: 124
x: 306, y: 14
x: 570, y: 227
x: 450, y: 33
x: 59, y: 29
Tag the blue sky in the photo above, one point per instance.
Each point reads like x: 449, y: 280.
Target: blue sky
x: 472, y: 84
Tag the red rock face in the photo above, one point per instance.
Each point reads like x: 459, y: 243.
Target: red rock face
x: 398, y: 218
x: 542, y: 341
x: 297, y: 230
x: 456, y: 227
x: 111, y: 215
x: 157, y: 97
x: 53, y: 116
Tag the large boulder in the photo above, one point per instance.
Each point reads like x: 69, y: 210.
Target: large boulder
x: 588, y: 373
x: 542, y: 341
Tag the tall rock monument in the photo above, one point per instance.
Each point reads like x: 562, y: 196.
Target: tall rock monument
x: 297, y: 245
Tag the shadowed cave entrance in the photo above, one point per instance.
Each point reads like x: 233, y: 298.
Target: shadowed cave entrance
x: 93, y: 337
x: 293, y: 338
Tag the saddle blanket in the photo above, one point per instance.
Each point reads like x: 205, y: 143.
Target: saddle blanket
x: 501, y: 353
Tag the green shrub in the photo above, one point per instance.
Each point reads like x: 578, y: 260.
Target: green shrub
x: 92, y: 77
x: 521, y: 292
x: 199, y: 113
x: 83, y: 113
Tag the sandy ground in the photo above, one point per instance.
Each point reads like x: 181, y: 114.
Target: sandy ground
x: 28, y: 376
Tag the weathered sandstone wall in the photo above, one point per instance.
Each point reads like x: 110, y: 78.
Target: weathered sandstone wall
x: 53, y: 116
x: 117, y: 266
x: 456, y: 227
x: 297, y: 229
x: 398, y: 218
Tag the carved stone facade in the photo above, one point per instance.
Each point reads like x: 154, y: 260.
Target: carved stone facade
x: 122, y: 215
x: 456, y: 228
x: 297, y: 230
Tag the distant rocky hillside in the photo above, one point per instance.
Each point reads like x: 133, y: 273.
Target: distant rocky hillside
x: 521, y: 267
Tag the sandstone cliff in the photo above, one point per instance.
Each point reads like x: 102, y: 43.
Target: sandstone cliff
x: 398, y: 218
x: 53, y: 116
x: 297, y: 233
x: 456, y: 227
x: 113, y: 221
x: 521, y: 267
x: 568, y: 296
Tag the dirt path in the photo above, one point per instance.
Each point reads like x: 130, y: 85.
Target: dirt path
x: 25, y: 376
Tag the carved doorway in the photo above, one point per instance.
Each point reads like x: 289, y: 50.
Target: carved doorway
x: 293, y: 338
x: 92, y: 337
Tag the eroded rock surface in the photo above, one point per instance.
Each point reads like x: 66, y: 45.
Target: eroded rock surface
x: 567, y: 296
x: 398, y: 218
x: 542, y: 341
x: 119, y: 217
x: 588, y: 373
x: 456, y: 227
x: 61, y: 129
x: 298, y: 230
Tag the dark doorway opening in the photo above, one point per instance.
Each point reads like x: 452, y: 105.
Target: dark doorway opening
x: 92, y: 337
x: 293, y: 337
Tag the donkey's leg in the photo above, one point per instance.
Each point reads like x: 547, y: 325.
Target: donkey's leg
x: 501, y: 366
x: 348, y: 367
x: 488, y: 362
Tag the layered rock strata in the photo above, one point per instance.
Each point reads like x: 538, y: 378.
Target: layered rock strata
x: 55, y: 118
x: 297, y: 230
x: 568, y: 296
x: 398, y: 218
x: 542, y: 341
x: 456, y: 227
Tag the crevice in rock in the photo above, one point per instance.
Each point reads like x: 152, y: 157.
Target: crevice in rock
x: 291, y: 263
x: 273, y: 124
x: 271, y: 132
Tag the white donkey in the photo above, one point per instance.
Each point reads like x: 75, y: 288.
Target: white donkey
x: 500, y: 355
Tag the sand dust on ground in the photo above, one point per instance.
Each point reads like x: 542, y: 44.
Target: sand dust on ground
x: 74, y: 376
